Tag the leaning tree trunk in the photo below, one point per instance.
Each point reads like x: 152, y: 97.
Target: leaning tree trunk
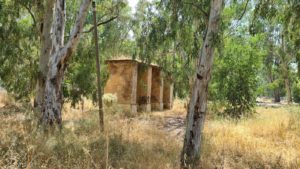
x: 60, y: 55
x: 198, y: 102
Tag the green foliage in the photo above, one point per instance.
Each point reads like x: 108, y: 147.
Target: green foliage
x: 80, y: 79
x: 167, y: 32
x: 18, y: 50
x: 235, y: 76
x: 19, y: 47
x: 170, y: 34
x: 296, y: 91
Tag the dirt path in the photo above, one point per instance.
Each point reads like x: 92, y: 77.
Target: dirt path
x: 173, y: 121
x: 175, y: 126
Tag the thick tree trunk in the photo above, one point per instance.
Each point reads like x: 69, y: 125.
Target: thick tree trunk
x: 45, y: 51
x: 198, y: 102
x: 60, y: 55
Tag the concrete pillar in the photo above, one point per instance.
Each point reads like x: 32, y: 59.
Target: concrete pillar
x: 161, y: 94
x: 157, y: 89
x: 144, y: 87
x: 168, y: 94
x: 134, y: 87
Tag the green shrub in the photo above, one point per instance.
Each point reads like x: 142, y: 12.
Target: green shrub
x: 296, y: 91
x: 235, y: 81
x: 110, y: 102
x: 110, y: 99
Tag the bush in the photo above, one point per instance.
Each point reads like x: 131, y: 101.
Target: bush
x: 240, y: 93
x: 296, y: 91
x: 110, y: 102
x: 110, y: 99
x: 235, y: 78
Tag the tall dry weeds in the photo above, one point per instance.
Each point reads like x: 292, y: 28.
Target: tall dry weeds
x: 269, y: 140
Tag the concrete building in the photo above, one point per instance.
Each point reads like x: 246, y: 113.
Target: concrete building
x: 139, y: 86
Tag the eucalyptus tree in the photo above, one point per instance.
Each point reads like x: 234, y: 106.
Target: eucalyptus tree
x: 182, y: 35
x: 55, y: 55
x: 237, y: 63
x: 170, y: 33
x: 290, y: 36
x: 285, y: 59
x: 281, y: 15
x: 37, y: 37
x: 58, y: 57
x: 294, y: 29
x: 271, y: 70
x: 198, y: 102
x: 25, y: 52
x: 113, y: 41
x: 18, y: 49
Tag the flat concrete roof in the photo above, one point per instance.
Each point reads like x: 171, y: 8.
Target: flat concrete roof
x: 129, y: 60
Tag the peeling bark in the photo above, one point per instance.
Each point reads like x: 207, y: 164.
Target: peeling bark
x: 59, y: 56
x: 198, y: 102
x: 45, y: 51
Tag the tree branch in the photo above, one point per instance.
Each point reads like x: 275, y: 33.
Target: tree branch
x: 198, y: 7
x: 238, y: 20
x: 244, y: 10
x: 31, y: 14
x: 76, y: 31
x: 101, y: 23
x: 58, y: 27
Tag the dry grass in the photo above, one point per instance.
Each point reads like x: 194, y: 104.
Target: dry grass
x: 127, y: 143
x: 4, y: 98
x: 269, y: 140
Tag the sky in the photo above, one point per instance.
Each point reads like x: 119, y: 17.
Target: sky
x: 132, y: 4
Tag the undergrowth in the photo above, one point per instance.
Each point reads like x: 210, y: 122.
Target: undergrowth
x: 269, y: 139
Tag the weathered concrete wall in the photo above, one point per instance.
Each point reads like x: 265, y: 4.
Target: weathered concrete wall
x: 139, y: 87
x: 157, y: 89
x: 144, y: 87
x: 123, y: 82
x: 168, y: 94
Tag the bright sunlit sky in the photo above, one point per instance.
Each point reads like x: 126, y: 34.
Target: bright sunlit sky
x: 132, y: 4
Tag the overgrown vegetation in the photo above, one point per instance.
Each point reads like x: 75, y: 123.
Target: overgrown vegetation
x: 246, y: 57
x: 235, y: 78
x: 269, y: 139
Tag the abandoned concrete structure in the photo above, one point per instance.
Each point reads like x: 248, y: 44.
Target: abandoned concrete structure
x: 138, y: 86
x: 144, y: 87
x: 168, y: 93
x: 157, y: 89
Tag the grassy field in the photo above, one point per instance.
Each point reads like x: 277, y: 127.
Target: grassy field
x: 270, y: 139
